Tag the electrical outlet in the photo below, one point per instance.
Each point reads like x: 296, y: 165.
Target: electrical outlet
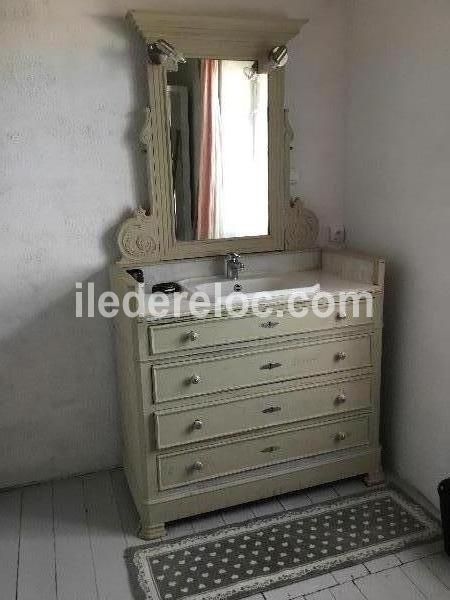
x: 336, y: 234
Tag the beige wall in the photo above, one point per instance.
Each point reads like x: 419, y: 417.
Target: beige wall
x: 397, y: 203
x: 70, y: 106
x: 69, y: 111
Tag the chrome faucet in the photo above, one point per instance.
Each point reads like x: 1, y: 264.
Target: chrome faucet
x: 234, y: 265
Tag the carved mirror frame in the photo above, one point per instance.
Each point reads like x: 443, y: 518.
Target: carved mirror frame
x: 150, y: 236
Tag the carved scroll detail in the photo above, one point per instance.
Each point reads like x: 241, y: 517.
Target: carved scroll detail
x: 137, y: 240
x: 301, y: 225
x: 145, y: 135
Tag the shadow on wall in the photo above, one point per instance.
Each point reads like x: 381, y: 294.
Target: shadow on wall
x: 59, y: 408
x: 134, y: 60
x: 390, y: 383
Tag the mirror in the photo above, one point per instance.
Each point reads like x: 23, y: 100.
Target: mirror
x: 218, y: 112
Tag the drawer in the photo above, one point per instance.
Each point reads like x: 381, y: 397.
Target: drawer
x: 189, y: 379
x: 211, y: 332
x: 197, y: 424
x: 186, y: 467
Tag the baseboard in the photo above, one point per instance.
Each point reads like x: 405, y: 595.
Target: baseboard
x: 6, y: 487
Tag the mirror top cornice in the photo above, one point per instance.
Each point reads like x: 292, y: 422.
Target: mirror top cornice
x: 227, y: 37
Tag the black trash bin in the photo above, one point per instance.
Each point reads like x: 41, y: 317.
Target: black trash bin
x: 444, y: 495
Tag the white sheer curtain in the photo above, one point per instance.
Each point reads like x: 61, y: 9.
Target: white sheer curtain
x: 233, y: 166
x: 218, y: 175
x: 242, y: 203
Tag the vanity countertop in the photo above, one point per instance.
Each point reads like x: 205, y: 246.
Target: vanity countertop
x: 329, y: 284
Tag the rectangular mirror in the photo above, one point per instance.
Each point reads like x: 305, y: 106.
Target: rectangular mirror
x: 219, y: 132
x: 216, y: 137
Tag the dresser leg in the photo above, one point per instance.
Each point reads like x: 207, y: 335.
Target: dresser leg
x: 152, y: 532
x: 374, y: 478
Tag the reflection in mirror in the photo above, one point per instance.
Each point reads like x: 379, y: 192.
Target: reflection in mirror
x: 219, y: 144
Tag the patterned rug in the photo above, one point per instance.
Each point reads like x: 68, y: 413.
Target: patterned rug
x: 240, y: 560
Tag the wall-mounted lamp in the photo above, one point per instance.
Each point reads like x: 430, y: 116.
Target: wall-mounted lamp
x: 276, y: 59
x: 251, y: 72
x: 163, y: 53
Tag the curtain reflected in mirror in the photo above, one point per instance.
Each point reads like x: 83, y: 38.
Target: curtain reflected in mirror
x: 219, y: 147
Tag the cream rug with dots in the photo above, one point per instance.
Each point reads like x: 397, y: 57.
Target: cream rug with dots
x: 240, y: 560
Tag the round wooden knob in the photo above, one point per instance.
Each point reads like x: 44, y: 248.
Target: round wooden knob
x: 197, y: 424
x: 198, y: 465
x: 341, y: 398
x: 195, y: 379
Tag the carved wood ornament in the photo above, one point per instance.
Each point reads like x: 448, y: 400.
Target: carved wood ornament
x: 136, y: 238
x: 301, y: 225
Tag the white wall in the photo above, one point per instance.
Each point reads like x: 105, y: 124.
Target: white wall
x: 398, y: 204
x: 72, y: 93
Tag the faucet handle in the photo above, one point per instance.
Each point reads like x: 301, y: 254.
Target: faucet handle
x: 233, y: 257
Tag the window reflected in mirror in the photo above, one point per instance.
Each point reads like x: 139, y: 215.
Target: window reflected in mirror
x: 219, y: 147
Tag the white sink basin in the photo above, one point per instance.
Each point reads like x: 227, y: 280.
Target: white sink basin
x: 260, y: 286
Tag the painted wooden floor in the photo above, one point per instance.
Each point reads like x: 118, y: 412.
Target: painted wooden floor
x: 65, y: 541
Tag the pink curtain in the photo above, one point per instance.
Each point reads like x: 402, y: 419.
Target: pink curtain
x: 207, y: 167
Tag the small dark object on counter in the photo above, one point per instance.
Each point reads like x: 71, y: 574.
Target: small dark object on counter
x: 168, y: 287
x: 137, y: 274
x: 444, y: 495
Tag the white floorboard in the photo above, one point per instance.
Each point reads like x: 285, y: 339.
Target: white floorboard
x: 440, y: 566
x: 267, y: 507
x: 238, y: 514
x: 179, y: 528
x: 209, y: 521
x: 292, y: 501
x: 66, y: 541
x: 323, y: 595
x: 350, y: 573
x: 127, y: 510
x: 383, y: 563
x: 430, y: 586
x: 389, y: 585
x: 107, y: 538
x: 10, y: 508
x: 349, y: 487
x: 322, y: 493
x: 36, y: 579
x: 75, y: 575
x: 349, y: 591
x: 302, y: 588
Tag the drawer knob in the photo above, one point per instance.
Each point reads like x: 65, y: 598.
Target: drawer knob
x: 269, y: 324
x: 341, y: 399
x: 341, y: 316
x: 197, y: 466
x: 271, y: 409
x: 341, y: 355
x: 193, y: 336
x: 195, y: 379
x: 197, y: 424
x: 341, y: 436
x: 270, y: 449
x: 271, y: 365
